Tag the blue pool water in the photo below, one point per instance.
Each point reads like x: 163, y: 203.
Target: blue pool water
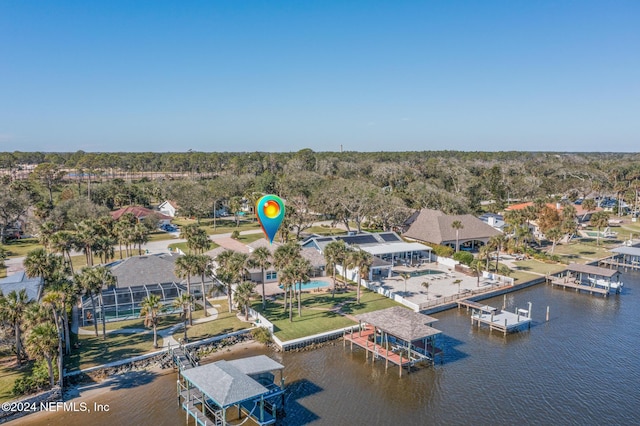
x: 313, y: 284
x: 421, y: 273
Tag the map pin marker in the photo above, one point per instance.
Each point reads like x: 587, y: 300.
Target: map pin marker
x: 270, y: 212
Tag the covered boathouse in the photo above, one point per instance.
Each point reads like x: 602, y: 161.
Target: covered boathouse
x: 397, y: 335
x: 209, y: 393
x: 592, y: 279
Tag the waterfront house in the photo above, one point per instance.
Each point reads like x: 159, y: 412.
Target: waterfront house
x: 434, y: 226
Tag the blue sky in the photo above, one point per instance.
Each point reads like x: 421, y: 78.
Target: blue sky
x: 285, y: 75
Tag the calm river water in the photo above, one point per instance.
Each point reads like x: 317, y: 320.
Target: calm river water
x: 580, y: 368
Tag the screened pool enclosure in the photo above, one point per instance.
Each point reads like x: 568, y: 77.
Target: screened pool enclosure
x: 122, y: 303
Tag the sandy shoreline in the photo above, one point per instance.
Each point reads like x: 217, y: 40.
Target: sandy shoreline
x: 103, y: 392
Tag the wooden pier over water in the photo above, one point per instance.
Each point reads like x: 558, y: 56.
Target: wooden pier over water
x: 588, y: 278
x: 397, y: 335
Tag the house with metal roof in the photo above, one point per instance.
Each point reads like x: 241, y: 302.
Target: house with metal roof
x: 434, y: 226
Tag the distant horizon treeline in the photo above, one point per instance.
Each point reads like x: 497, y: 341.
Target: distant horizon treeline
x: 348, y: 185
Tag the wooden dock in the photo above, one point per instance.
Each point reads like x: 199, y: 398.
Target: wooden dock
x: 561, y: 282
x: 361, y: 339
x: 613, y: 263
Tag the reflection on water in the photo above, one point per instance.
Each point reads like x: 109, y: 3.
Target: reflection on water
x: 578, y: 368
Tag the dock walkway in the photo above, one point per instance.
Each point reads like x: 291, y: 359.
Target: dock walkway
x: 561, y: 282
x: 506, y: 322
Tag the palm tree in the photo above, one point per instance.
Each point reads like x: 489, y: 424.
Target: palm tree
x: 288, y: 279
x: 426, y: 284
x: 405, y: 276
x: 183, y: 302
x: 187, y: 266
x: 457, y: 225
x: 476, y: 267
x: 39, y: 263
x: 203, y: 268
x: 244, y: 295
x: 12, y: 308
x: 331, y: 257
x: 599, y: 220
x: 588, y: 205
x: 260, y: 258
x: 86, y: 236
x: 42, y: 342
x: 63, y: 242
x: 497, y: 242
x: 91, y: 284
x: 362, y: 260
x: 105, y: 277
x: 198, y: 241
x: 302, y: 271
x: 151, y: 308
x: 554, y: 234
x: 53, y: 301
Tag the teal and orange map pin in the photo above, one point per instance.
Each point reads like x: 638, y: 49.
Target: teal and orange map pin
x: 270, y: 212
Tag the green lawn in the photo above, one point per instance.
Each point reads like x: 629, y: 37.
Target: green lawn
x: 522, y: 277
x: 185, y: 249
x: 95, y: 351
x: 249, y: 238
x: 3, y: 272
x: 9, y: 374
x: 164, y: 321
x: 317, y: 316
x: 225, y: 323
x: 539, y: 267
x: 19, y: 248
x: 325, y: 230
x: 581, y: 252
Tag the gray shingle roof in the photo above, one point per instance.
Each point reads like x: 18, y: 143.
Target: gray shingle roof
x: 256, y: 364
x: 314, y: 256
x: 18, y: 281
x: 262, y: 242
x: 149, y: 269
x: 592, y: 270
x: 224, y: 383
x: 434, y: 226
x: 401, y: 322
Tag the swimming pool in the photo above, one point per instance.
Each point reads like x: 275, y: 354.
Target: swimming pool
x: 313, y: 284
x: 421, y: 273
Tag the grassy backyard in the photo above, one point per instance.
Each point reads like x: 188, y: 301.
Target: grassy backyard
x: 321, y: 312
x: 95, y: 351
x: 9, y: 373
x: 225, y: 323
